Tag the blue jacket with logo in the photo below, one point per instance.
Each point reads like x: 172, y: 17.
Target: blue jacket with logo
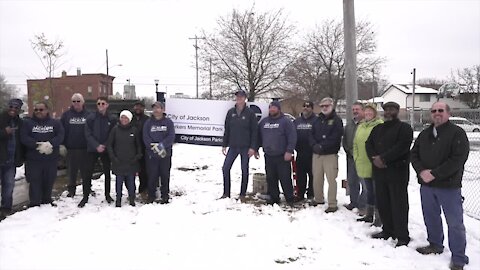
x: 97, y: 129
x: 327, y: 133
x: 240, y: 129
x: 74, y: 124
x: 41, y: 130
x: 304, y: 129
x: 158, y: 131
x: 277, y: 135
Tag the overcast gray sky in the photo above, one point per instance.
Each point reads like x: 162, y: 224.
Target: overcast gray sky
x: 150, y: 38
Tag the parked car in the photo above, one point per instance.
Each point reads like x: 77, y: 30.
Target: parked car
x: 289, y: 116
x: 464, y: 123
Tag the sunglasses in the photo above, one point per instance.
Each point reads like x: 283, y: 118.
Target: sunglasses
x: 101, y: 103
x: 439, y: 110
x: 76, y: 101
x: 38, y: 110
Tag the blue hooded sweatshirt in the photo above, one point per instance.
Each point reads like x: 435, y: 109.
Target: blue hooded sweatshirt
x: 74, y: 124
x: 158, y: 131
x: 277, y: 135
x: 41, y: 130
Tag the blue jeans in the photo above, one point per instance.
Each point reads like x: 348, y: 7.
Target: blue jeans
x: 232, y: 154
x: 129, y: 182
x: 450, y: 200
x: 7, y: 178
x: 358, y: 196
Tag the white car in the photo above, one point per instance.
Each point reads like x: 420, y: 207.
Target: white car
x: 465, y: 124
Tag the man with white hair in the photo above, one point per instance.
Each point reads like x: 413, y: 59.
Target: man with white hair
x: 326, y: 137
x: 73, y: 122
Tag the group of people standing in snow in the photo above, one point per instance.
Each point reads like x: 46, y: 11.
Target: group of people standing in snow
x: 378, y: 161
x: 132, y: 144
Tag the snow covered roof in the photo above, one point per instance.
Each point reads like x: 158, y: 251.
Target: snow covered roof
x: 408, y: 89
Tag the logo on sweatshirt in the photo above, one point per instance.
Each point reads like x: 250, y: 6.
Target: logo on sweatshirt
x: 77, y: 121
x: 158, y: 128
x: 305, y: 126
x: 271, y: 125
x: 42, y: 129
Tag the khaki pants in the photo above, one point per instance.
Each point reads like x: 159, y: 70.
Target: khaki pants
x: 325, y: 165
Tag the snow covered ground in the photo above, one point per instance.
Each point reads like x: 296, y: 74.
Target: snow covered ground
x: 196, y: 231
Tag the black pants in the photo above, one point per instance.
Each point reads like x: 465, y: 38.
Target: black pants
x: 159, y: 167
x: 276, y: 169
x: 304, y: 169
x: 143, y: 176
x: 41, y: 175
x: 392, y: 203
x: 76, y: 161
x: 91, y: 160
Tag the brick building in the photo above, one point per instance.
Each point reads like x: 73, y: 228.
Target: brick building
x: 91, y: 86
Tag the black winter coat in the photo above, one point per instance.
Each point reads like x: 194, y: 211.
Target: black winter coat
x: 97, y: 128
x: 391, y: 141
x: 327, y: 134
x: 240, y: 129
x: 5, y: 120
x: 304, y: 129
x: 124, y: 149
x: 444, y: 155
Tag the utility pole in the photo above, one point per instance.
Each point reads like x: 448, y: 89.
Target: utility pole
x: 196, y: 57
x: 210, y: 60
x: 373, y: 86
x: 351, y: 92
x: 106, y: 52
x: 412, y: 112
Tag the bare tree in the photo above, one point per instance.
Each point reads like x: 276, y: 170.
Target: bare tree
x: 431, y: 82
x: 249, y: 50
x: 49, y: 54
x: 7, y: 91
x: 469, y: 80
x: 320, y: 70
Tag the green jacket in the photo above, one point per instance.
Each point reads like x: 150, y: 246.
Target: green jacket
x: 362, y: 162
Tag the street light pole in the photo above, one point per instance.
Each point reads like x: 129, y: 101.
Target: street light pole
x: 412, y: 112
x: 196, y: 58
x: 351, y: 93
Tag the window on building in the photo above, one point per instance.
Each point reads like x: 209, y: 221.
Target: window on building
x: 89, y: 91
x: 424, y: 98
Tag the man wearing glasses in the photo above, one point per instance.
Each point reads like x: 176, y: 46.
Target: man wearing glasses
x: 325, y: 140
x: 42, y: 136
x: 73, y: 122
x: 97, y: 129
x: 11, y: 153
x: 438, y: 156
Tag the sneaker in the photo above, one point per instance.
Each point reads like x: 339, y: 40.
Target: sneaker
x: 108, y: 198
x: 380, y: 235
x: 83, y: 202
x: 430, y: 249
x: 368, y: 219
x: 331, y: 209
x: 455, y: 267
x: 349, y: 206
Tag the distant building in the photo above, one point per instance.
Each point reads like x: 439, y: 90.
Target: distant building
x: 129, y: 91
x: 91, y: 86
x: 180, y: 95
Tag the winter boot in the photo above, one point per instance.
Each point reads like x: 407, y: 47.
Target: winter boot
x: 83, y: 202
x: 118, y: 202
x: 369, y: 215
x: 108, y: 198
x: 377, y: 220
x: 131, y: 201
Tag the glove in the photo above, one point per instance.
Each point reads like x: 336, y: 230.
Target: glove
x: 44, y: 148
x: 62, y: 150
x: 317, y: 149
x: 154, y: 147
x: 163, y: 152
